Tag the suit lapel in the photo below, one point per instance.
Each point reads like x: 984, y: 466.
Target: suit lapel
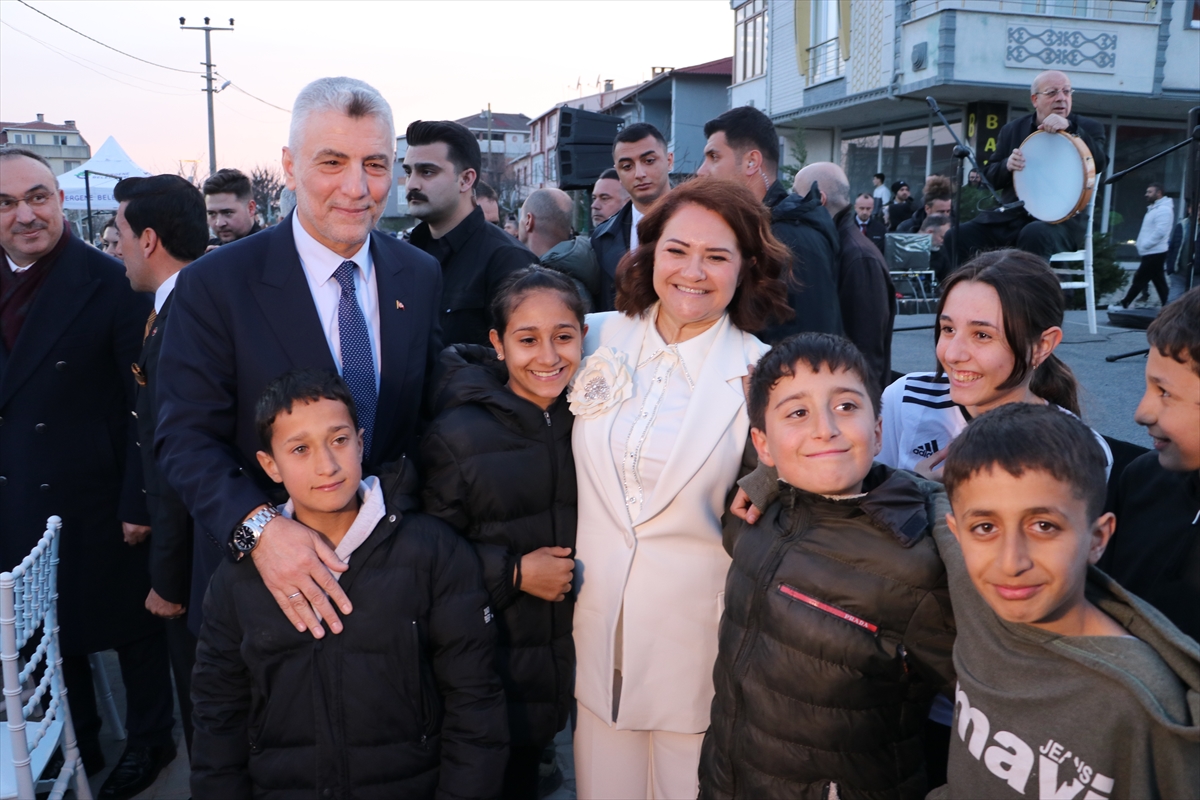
x: 715, y: 402
x: 65, y: 293
x: 395, y: 338
x: 598, y: 433
x: 287, y: 305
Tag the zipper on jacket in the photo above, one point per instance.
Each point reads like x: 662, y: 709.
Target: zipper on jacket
x: 546, y: 414
x: 420, y: 687
x: 796, y: 594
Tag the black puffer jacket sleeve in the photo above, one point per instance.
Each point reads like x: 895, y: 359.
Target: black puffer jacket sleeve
x: 445, y: 497
x: 461, y: 640
x: 221, y: 690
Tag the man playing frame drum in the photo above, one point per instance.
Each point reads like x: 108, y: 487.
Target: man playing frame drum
x: 1051, y: 98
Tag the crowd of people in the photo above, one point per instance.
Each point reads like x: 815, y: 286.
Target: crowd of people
x: 395, y: 512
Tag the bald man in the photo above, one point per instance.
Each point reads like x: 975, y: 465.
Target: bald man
x: 864, y: 286
x: 1051, y: 96
x: 545, y: 228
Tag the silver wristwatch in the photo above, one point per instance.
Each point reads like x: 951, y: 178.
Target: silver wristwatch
x: 246, y: 536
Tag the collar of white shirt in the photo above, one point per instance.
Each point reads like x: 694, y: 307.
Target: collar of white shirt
x: 633, y: 236
x: 164, y: 291
x: 13, y: 265
x: 373, y: 507
x: 691, y: 353
x: 320, y: 262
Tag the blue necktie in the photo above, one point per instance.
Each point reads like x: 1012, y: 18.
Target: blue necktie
x: 358, y: 362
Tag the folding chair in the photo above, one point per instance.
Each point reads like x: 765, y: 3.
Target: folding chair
x: 29, y: 606
x: 1084, y: 257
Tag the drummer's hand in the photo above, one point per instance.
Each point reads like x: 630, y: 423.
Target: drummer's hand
x: 1054, y: 123
x: 1016, y: 161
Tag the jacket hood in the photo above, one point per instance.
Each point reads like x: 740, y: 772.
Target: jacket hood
x: 796, y: 210
x: 472, y: 374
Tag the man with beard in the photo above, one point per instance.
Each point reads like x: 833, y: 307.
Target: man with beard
x: 229, y: 199
x: 742, y: 146
x: 70, y: 326
x: 871, y: 225
x: 1050, y: 94
x: 902, y: 206
x: 442, y: 164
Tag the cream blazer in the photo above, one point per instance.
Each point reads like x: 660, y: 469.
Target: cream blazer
x: 669, y: 569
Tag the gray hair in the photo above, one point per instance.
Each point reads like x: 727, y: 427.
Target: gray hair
x: 348, y: 96
x: 11, y: 151
x: 830, y: 179
x: 551, y: 208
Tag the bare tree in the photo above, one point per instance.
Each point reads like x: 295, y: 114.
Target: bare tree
x: 188, y: 170
x: 267, y: 184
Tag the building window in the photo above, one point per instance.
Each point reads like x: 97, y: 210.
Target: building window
x: 18, y: 139
x: 750, y: 41
x: 69, y: 165
x: 824, y: 56
x: 60, y: 140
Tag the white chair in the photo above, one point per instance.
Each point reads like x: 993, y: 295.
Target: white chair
x: 1084, y: 257
x: 104, y: 697
x: 28, y: 607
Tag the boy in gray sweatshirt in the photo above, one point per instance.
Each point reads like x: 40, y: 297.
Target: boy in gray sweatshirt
x: 1068, y: 686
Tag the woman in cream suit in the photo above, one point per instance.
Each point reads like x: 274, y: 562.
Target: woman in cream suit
x: 659, y: 436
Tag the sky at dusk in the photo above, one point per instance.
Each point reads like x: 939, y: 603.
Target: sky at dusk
x: 431, y: 60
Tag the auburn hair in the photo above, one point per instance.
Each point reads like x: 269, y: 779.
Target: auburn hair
x: 761, y: 295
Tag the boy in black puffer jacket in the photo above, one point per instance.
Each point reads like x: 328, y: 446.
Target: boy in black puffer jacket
x: 837, y: 630
x: 498, y: 467
x: 405, y: 701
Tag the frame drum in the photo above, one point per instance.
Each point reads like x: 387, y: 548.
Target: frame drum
x: 1059, y: 176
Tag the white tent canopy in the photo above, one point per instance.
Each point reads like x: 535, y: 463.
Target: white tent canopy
x: 110, y: 159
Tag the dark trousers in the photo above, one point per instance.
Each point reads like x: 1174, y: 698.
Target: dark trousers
x: 521, y: 774
x: 992, y: 230
x: 181, y: 645
x: 149, y: 707
x: 1150, y: 270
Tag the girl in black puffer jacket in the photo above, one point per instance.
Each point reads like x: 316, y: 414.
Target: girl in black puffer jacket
x: 499, y: 468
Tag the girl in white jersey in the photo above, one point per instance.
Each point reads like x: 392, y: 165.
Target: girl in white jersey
x: 998, y: 321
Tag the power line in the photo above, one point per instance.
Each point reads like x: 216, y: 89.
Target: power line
x: 259, y: 99
x: 102, y: 44
x: 58, y: 52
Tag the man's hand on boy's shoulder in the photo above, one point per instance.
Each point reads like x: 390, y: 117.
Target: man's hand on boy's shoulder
x: 295, y: 565
x: 743, y: 509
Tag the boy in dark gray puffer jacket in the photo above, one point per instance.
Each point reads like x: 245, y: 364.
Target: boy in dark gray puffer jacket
x: 837, y: 629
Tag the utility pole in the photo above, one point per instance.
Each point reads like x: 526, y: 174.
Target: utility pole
x: 208, y: 64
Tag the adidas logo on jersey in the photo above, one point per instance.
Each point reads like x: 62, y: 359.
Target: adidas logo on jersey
x: 927, y: 449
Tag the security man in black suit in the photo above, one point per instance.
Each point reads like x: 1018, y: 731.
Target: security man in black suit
x: 317, y: 290
x: 161, y: 228
x: 1050, y: 94
x: 70, y: 326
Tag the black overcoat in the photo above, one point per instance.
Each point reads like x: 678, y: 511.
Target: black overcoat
x: 67, y: 446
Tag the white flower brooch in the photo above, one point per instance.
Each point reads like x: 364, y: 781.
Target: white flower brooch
x: 603, y: 382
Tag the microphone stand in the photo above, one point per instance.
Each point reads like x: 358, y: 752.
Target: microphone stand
x: 962, y: 151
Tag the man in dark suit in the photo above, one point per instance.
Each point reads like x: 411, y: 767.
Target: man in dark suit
x: 317, y: 290
x: 644, y: 168
x: 71, y: 326
x: 870, y: 223
x: 162, y: 229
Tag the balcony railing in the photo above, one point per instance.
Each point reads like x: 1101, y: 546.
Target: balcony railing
x: 1108, y: 10
x: 824, y: 61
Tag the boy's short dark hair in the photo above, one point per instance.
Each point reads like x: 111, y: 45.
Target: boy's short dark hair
x: 638, y: 131
x: 171, y: 207
x: 1021, y: 436
x: 835, y: 353
x: 228, y: 181
x: 880, y: 176
x: 609, y: 174
x: 306, y: 385
x: 1176, y: 329
x: 747, y: 128
x: 461, y: 144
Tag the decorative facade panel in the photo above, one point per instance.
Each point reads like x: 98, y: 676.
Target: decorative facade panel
x: 870, y: 46
x: 1080, y: 50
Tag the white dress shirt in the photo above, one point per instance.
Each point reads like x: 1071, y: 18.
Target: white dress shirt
x: 648, y: 423
x: 319, y: 264
x: 633, y: 237
x: 13, y: 265
x: 164, y: 291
